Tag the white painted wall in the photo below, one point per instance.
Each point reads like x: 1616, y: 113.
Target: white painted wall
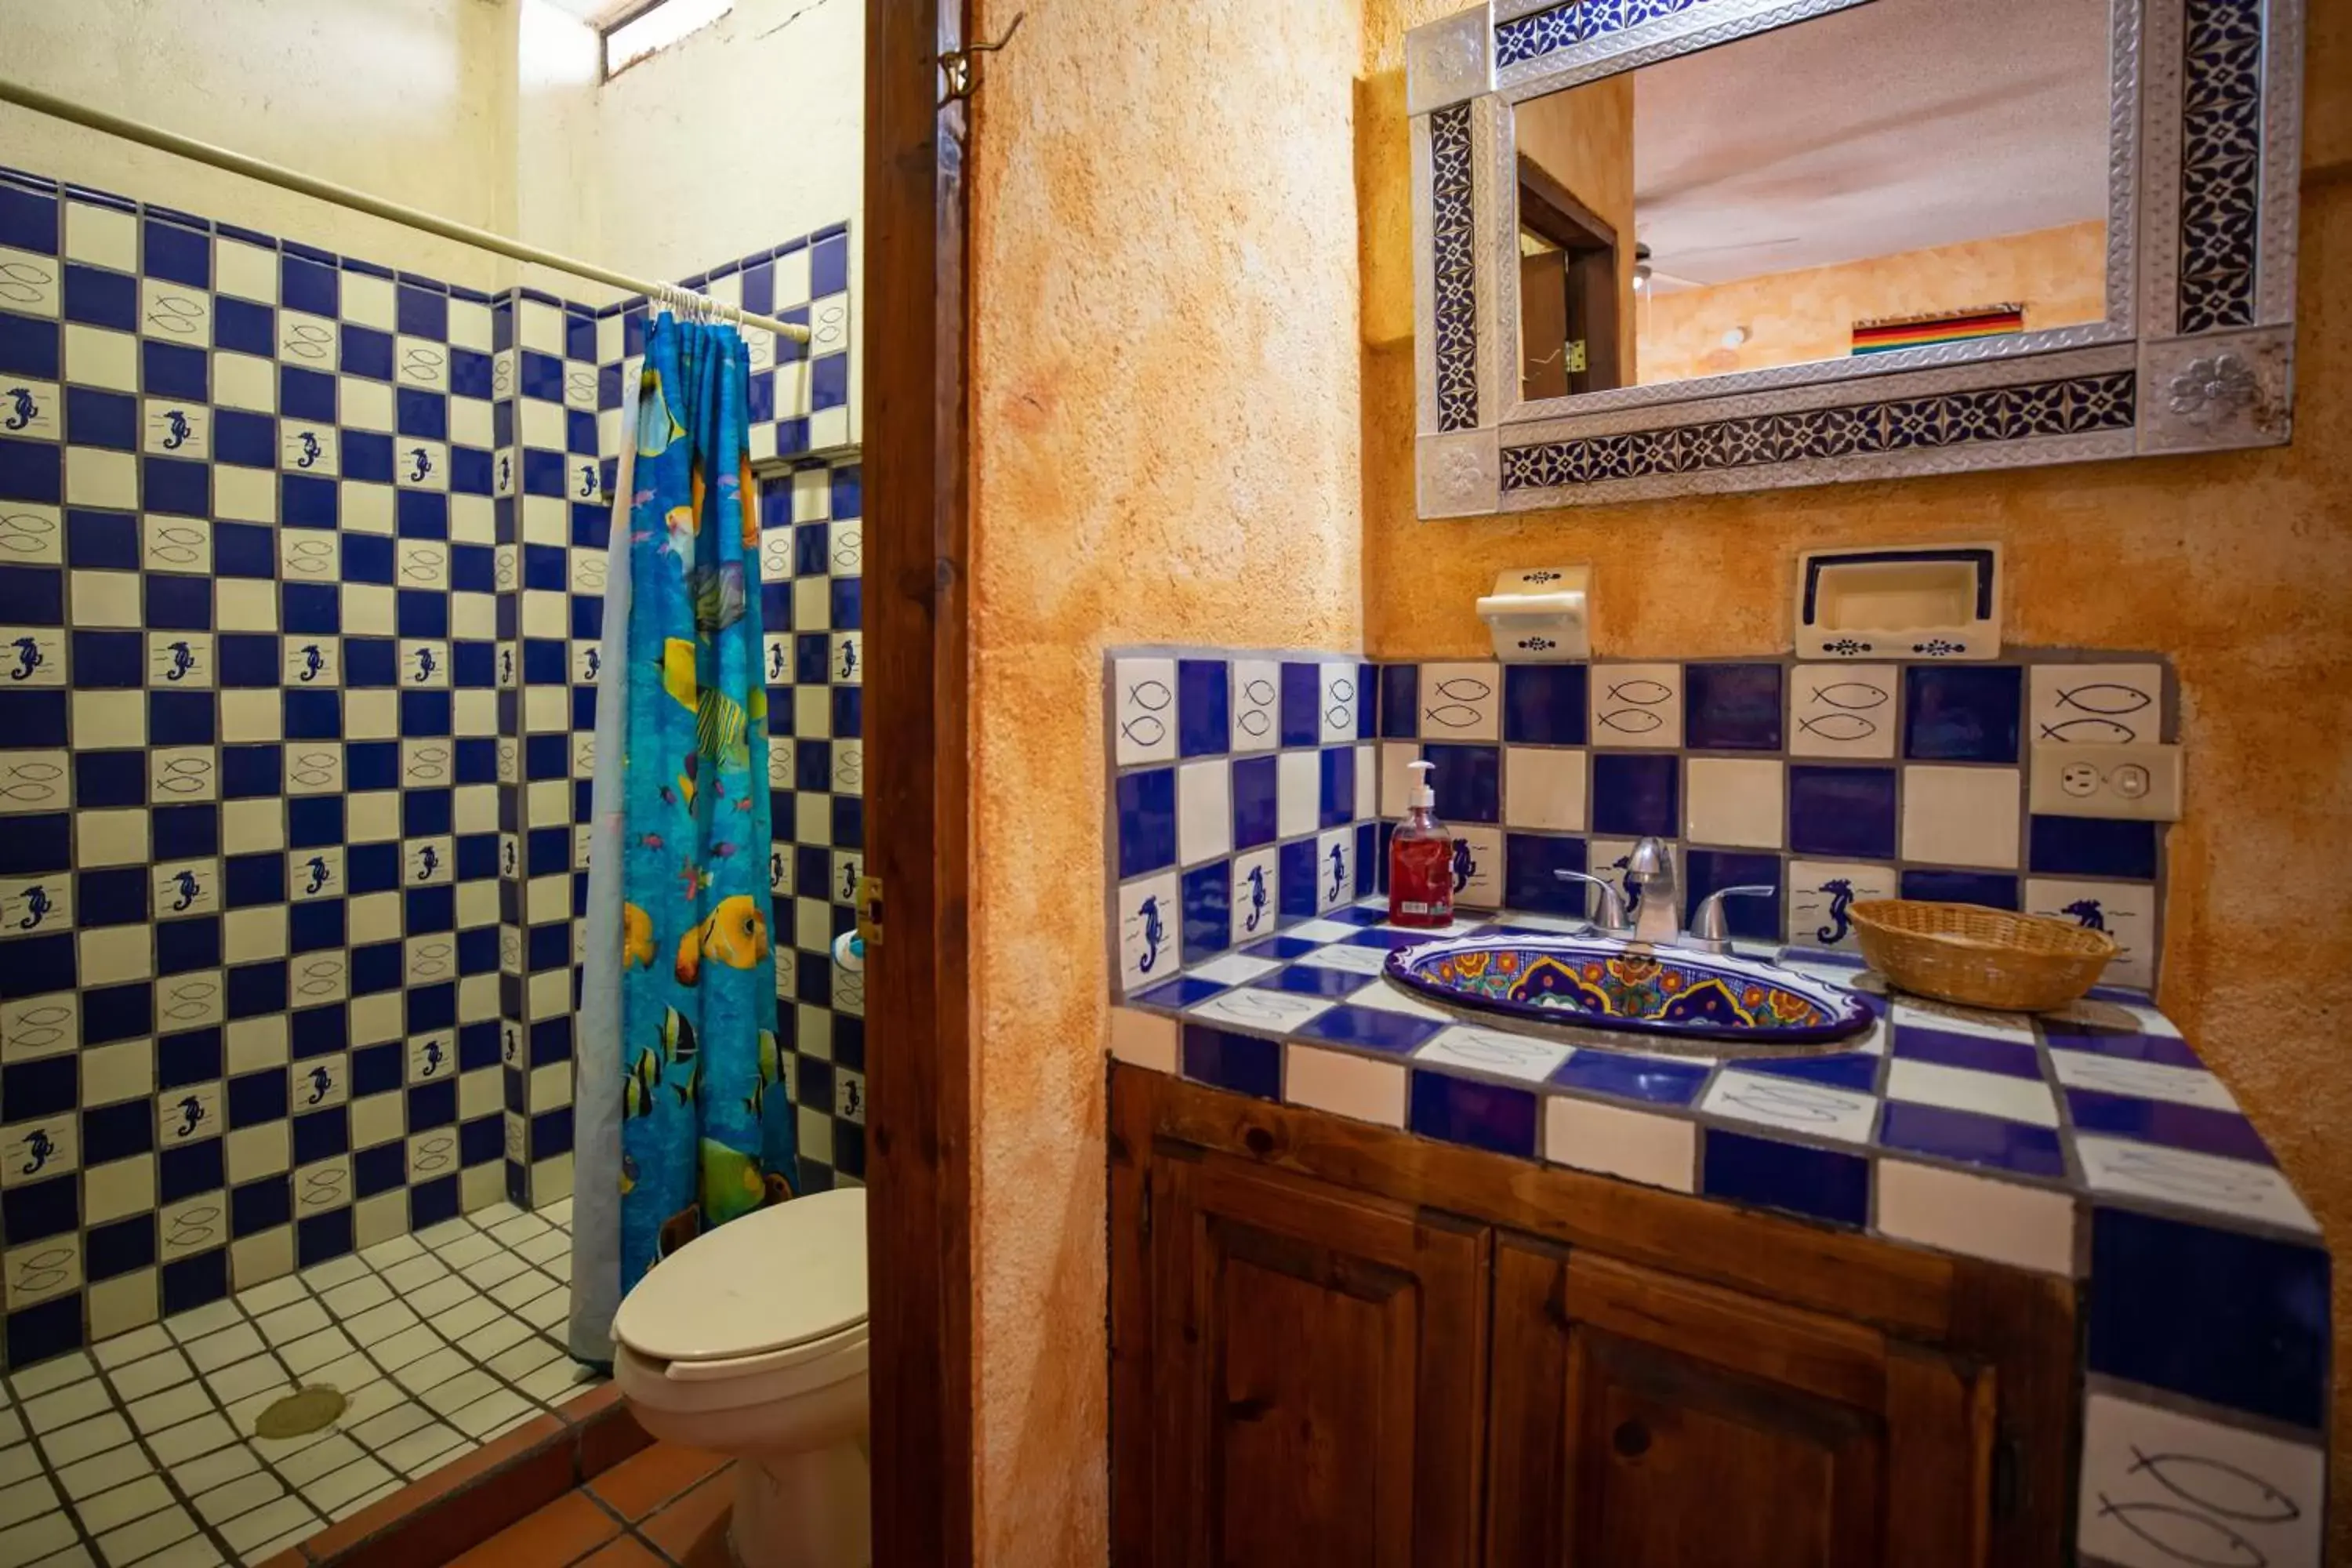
x: 410, y: 100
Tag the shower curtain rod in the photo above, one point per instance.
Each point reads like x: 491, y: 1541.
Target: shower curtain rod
x: 375, y: 206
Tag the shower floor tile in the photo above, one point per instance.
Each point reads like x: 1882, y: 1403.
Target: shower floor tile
x: 142, y: 1451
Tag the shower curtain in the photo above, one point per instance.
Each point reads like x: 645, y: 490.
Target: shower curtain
x: 681, y: 1120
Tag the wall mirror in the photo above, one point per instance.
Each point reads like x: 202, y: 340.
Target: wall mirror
x: 1674, y: 246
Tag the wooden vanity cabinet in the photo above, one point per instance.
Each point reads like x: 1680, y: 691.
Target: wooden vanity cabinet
x: 1336, y: 1344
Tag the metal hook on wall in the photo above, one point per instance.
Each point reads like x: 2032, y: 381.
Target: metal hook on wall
x: 959, y: 64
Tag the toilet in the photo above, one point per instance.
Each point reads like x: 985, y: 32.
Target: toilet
x: 750, y: 1341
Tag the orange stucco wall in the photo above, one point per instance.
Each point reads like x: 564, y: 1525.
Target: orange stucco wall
x: 1193, y: 395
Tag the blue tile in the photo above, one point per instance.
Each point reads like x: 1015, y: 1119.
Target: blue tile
x: 1204, y: 707
x: 1257, y: 814
x: 308, y: 286
x: 1178, y: 994
x: 1990, y: 889
x: 2194, y: 1127
x: 2013, y: 1059
x: 1467, y: 1111
x: 1243, y: 1063
x: 1543, y: 704
x: 29, y: 347
x: 1302, y: 704
x: 1708, y: 870
x: 177, y: 254
x: 50, y: 1328
x: 1468, y: 781
x: 1962, y: 712
x: 1769, y: 1173
x: 1313, y: 980
x: 32, y: 471
x: 175, y: 370
x: 1336, y: 803
x: 1208, y: 911
x: 1297, y: 871
x: 1399, y: 701
x: 1848, y: 813
x: 97, y: 297
x: 1731, y: 707
x: 28, y: 221
x: 1845, y: 1069
x: 1636, y: 795
x: 2091, y: 847
x: 97, y: 418
x: 1529, y: 860
x: 1368, y: 1028
x: 2171, y: 1050
x: 1147, y: 821
x: 1281, y: 947
x: 1973, y: 1140
x: 105, y: 540
x: 2236, y: 1320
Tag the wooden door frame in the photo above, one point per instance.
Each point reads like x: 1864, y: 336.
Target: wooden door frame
x: 919, y: 1026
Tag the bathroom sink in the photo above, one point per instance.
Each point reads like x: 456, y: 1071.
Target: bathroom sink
x: 1672, y: 998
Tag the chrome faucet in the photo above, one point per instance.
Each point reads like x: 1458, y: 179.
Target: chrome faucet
x: 1650, y: 876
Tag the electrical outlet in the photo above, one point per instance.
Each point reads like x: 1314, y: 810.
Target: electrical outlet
x: 2141, y: 782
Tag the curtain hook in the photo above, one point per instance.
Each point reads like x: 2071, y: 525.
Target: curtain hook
x: 959, y: 64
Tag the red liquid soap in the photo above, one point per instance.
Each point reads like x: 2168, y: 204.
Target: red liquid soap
x: 1421, y: 861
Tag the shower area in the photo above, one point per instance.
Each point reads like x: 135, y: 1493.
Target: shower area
x: 303, y: 527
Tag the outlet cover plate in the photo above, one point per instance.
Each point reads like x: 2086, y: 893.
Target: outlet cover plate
x: 2139, y: 782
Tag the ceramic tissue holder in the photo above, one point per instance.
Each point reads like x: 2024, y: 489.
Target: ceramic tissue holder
x: 1538, y: 616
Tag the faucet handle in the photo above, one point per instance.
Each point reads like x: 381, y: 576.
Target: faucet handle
x: 1707, y: 923
x: 1649, y: 857
x: 1613, y: 919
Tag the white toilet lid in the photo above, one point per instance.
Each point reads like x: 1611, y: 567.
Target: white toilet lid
x: 775, y: 1277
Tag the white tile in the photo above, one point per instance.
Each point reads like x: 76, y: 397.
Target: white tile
x: 1335, y: 860
x: 1143, y: 1039
x: 32, y: 1541
x: 64, y: 1407
x: 1277, y: 1012
x: 1299, y: 793
x: 229, y: 1345
x: 2142, y: 1080
x: 1396, y: 760
x: 1961, y: 816
x: 1493, y: 1052
x: 104, y: 237
x: 48, y: 1376
x: 112, y: 1509
x: 22, y: 1462
x: 390, y: 1424
x: 243, y: 1379
x: 452, y: 1395
x: 84, y: 1438
x: 191, y: 1552
x: 241, y: 1495
x: 1383, y: 997
x: 292, y: 1321
x: 1149, y: 913
x: 2096, y: 704
x: 2161, y: 1489
x: 27, y: 1500
x: 1349, y: 959
x: 1821, y: 891
x: 307, y: 1355
x: 1323, y: 930
x: 1461, y: 702
x: 1143, y: 711
x: 1614, y: 1141
x: 2124, y: 910
x: 1842, y: 710
x: 419, y: 1451
x: 1343, y: 697
x: 1345, y: 1085
x: 1734, y: 800
x: 216, y: 1469
x: 1256, y: 704
x: 190, y: 1438
x: 500, y: 1332
x: 1233, y: 969
x: 1256, y: 895
x: 1793, y: 1104
x: 2238, y: 1187
x: 152, y: 1376
x: 489, y: 1413
x: 2030, y: 1227
x: 1636, y: 705
x: 1205, y: 811
x: 2026, y: 1099
x: 1915, y: 1012
x: 264, y: 1525
x: 355, y: 1296
x: 1478, y: 868
x: 1544, y: 789
x: 430, y: 1371
x: 339, y: 1491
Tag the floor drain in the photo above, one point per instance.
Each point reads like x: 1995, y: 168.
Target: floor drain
x: 300, y: 1413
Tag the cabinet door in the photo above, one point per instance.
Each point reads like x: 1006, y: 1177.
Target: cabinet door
x: 1643, y: 1419
x: 1319, y: 1375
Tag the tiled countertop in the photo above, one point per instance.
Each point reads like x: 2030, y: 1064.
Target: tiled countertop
x: 2090, y: 1143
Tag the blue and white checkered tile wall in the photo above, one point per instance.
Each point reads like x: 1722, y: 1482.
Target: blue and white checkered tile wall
x: 1831, y: 782
x: 301, y: 586
x: 1242, y: 800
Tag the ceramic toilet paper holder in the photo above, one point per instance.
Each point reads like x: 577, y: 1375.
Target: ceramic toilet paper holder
x: 1538, y: 616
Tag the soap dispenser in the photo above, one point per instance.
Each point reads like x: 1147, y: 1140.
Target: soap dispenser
x: 1421, y: 860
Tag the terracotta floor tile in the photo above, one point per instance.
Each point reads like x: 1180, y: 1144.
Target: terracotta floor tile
x: 562, y: 1533
x: 642, y: 1482
x: 682, y: 1528
x: 606, y: 1435
x: 627, y: 1552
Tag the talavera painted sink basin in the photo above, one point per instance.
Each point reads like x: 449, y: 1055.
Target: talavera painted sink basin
x: 1666, y: 994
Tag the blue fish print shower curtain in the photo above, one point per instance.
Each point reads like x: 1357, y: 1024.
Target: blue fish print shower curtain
x: 705, y: 1130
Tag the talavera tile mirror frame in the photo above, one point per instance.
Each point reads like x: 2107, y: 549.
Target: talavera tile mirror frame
x: 2196, y: 352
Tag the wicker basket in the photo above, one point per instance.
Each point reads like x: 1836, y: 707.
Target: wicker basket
x: 1981, y: 957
